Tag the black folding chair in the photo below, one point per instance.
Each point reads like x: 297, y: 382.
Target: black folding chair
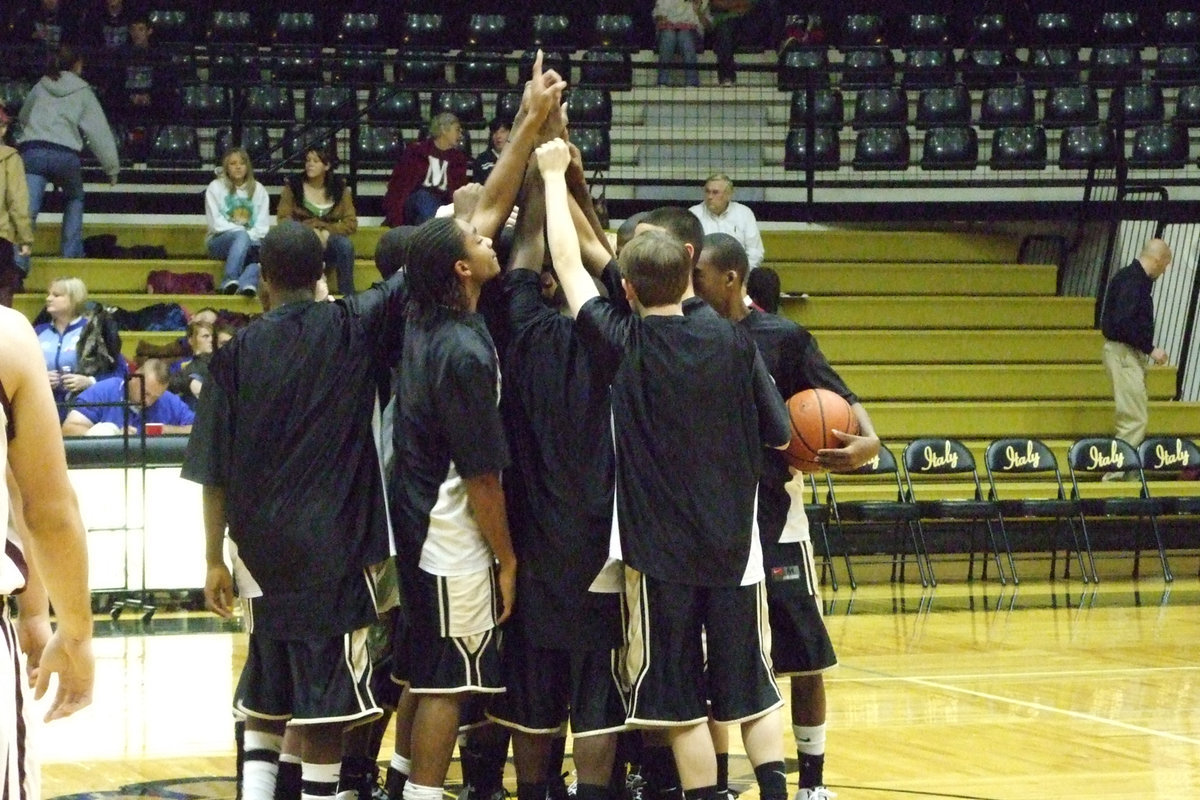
x: 1169, y: 457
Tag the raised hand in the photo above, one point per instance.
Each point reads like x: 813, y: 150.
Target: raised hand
x: 553, y: 157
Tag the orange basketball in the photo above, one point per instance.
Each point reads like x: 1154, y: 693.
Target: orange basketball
x: 815, y: 414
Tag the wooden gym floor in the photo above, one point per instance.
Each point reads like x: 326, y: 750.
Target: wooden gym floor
x: 1050, y: 690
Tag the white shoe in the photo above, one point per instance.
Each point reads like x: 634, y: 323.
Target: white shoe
x: 819, y: 793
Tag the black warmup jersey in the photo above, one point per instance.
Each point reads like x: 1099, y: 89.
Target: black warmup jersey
x: 796, y: 363
x: 284, y: 427
x: 693, y: 406
x: 447, y: 429
x: 559, y: 488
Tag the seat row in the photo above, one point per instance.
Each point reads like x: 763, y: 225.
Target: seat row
x: 939, y: 493
x: 956, y: 147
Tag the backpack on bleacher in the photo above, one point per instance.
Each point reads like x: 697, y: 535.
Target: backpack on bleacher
x: 164, y: 281
x: 162, y: 317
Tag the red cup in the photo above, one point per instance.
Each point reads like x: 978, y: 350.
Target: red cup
x: 153, y: 428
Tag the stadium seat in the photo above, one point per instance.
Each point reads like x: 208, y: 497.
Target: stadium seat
x: 827, y: 109
x: 174, y: 146
x: 1119, y: 27
x: 1095, y: 456
x: 232, y: 27
x: 420, y: 69
x: 378, y: 146
x: 594, y: 147
x: 990, y: 30
x: 862, y: 30
x: 826, y: 150
x: 1187, y: 106
x: 507, y: 105
x: 255, y: 139
x: 1005, y: 106
x: 183, y: 64
x: 232, y: 65
x: 1159, y: 147
x: 466, y: 105
x: 880, y: 107
x: 400, y: 108
x: 927, y: 29
x: 983, y: 68
x: 1019, y: 147
x: 356, y: 67
x: 481, y: 70
x: 1053, y: 66
x: 299, y: 139
x: 358, y: 28
x: 205, y: 105
x: 606, y: 69
x: 295, y: 27
x: 172, y: 26
x: 1115, y: 66
x: 1165, y: 458
x: 333, y: 104
x: 898, y: 514
x: 881, y: 148
x: 489, y: 31
x: 1031, y: 461
x: 1178, y: 64
x: 589, y: 108
x: 552, y: 31
x: 1070, y: 105
x: 298, y: 65
x: 424, y: 31
x: 1057, y: 28
x: 1086, y: 146
x: 950, y: 105
x: 954, y: 147
x: 1136, y: 105
x: 1180, y: 27
x: 616, y: 31
x: 800, y: 65
x: 269, y: 104
x: 557, y: 60
x: 928, y: 67
x: 868, y: 66
x: 944, y: 461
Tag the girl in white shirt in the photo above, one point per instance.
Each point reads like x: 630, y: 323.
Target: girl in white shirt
x: 235, y: 206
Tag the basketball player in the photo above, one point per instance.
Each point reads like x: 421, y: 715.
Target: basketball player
x: 37, y: 492
x: 800, y: 646
x: 693, y: 406
x: 284, y: 448
x: 556, y: 411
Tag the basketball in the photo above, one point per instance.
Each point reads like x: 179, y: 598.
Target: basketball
x: 815, y: 414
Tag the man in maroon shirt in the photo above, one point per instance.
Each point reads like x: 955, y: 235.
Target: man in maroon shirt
x: 427, y: 174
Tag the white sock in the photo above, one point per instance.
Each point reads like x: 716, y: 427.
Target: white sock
x: 413, y: 791
x: 401, y: 764
x: 319, y: 780
x: 261, y: 766
x: 810, y: 739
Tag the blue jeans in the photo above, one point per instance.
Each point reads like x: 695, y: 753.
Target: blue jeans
x: 240, y: 256
x: 339, y: 254
x: 55, y: 165
x: 684, y: 42
x: 420, y: 206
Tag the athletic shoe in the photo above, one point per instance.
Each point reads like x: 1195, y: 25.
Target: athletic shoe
x: 229, y: 287
x: 818, y: 793
x: 248, y: 291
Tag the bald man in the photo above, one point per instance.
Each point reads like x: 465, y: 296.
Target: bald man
x: 1128, y: 325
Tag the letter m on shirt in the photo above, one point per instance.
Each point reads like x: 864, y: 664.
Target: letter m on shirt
x: 435, y: 176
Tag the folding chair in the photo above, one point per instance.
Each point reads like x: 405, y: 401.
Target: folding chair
x: 898, y: 513
x: 1031, y: 458
x: 819, y: 514
x: 1100, y: 455
x: 950, y: 460
x: 1168, y: 456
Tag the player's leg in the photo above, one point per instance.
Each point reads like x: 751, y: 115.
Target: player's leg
x: 483, y: 753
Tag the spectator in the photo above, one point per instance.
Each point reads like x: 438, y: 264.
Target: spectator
x: 222, y: 333
x: 58, y: 115
x: 321, y: 200
x: 79, y: 351
x: 48, y: 23
x: 143, y: 87
x: 188, y: 374
x: 739, y: 23
x: 680, y: 25
x: 235, y: 206
x: 719, y: 214
x: 110, y: 25
x: 16, y: 231
x: 427, y: 174
x: 126, y: 404
x: 498, y: 131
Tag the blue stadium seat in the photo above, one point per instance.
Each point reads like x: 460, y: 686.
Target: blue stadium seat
x: 945, y: 106
x: 1019, y: 147
x: 954, y: 147
x: 881, y: 149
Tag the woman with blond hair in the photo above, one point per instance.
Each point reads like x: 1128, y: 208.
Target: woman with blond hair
x: 235, y: 207
x: 79, y: 348
x: 16, y: 231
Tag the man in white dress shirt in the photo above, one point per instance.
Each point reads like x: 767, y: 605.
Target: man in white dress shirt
x: 718, y: 214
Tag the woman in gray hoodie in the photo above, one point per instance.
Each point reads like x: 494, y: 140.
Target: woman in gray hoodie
x: 58, y: 116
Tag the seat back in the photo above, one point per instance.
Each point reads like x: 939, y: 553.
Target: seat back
x: 295, y: 27
x: 1070, y: 105
x: 174, y: 145
x: 1006, y: 106
x: 940, y: 459
x: 488, y: 30
x: 881, y: 148
x: 467, y: 106
x: 1097, y: 455
x: 232, y: 26
x: 827, y: 108
x: 928, y: 67
x: 205, y: 104
x: 298, y: 65
x: 1182, y: 27
x: 507, y: 105
x: 950, y: 148
x: 551, y: 30
x: 1016, y: 456
x: 273, y: 104
x: 1136, y: 105
x: 607, y: 69
x: 1168, y: 455
x: 1115, y: 66
x: 589, y: 107
x: 880, y: 107
x: 481, y: 70
x: 991, y: 29
x: 330, y: 104
x: 172, y: 26
x: 883, y: 467
x: 420, y: 69
x: 1053, y: 66
x: 378, y: 146
x: 1119, y: 27
x: 859, y: 30
x: 950, y: 105
x: 1085, y: 146
x: 358, y: 28
x: 800, y: 65
x: 1178, y: 64
x: 356, y: 67
x: 1019, y: 147
x: 12, y: 95
x: 424, y: 30
x: 868, y: 66
x: 255, y: 139
x: 927, y: 29
x: 1187, y: 106
x: 595, y: 147
x: 1056, y: 27
x: 1159, y: 147
x: 826, y: 149
x: 615, y: 31
x: 984, y: 67
x: 399, y: 107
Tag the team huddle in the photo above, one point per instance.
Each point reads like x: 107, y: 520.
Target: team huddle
x: 585, y: 504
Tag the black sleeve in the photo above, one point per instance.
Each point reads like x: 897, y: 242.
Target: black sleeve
x: 605, y: 332
x: 816, y: 371
x: 206, y: 460
x: 523, y: 299
x: 380, y: 311
x: 467, y: 400
x: 774, y: 424
x: 610, y: 278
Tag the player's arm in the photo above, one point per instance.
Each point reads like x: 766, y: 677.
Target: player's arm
x: 855, y: 450
x: 594, y: 246
x: 33, y: 604
x: 487, y: 505
x: 553, y: 158
x: 218, y: 582
x: 542, y: 96
x: 774, y: 423
x: 57, y: 542
x: 529, y: 246
x: 76, y: 424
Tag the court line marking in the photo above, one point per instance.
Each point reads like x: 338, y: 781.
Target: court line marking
x: 869, y: 676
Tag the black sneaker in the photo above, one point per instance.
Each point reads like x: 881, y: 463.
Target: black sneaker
x: 229, y: 287
x: 248, y: 291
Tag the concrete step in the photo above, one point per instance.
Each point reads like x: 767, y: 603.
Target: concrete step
x: 899, y: 277
x: 1085, y: 381
x: 940, y: 313
x: 899, y: 346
